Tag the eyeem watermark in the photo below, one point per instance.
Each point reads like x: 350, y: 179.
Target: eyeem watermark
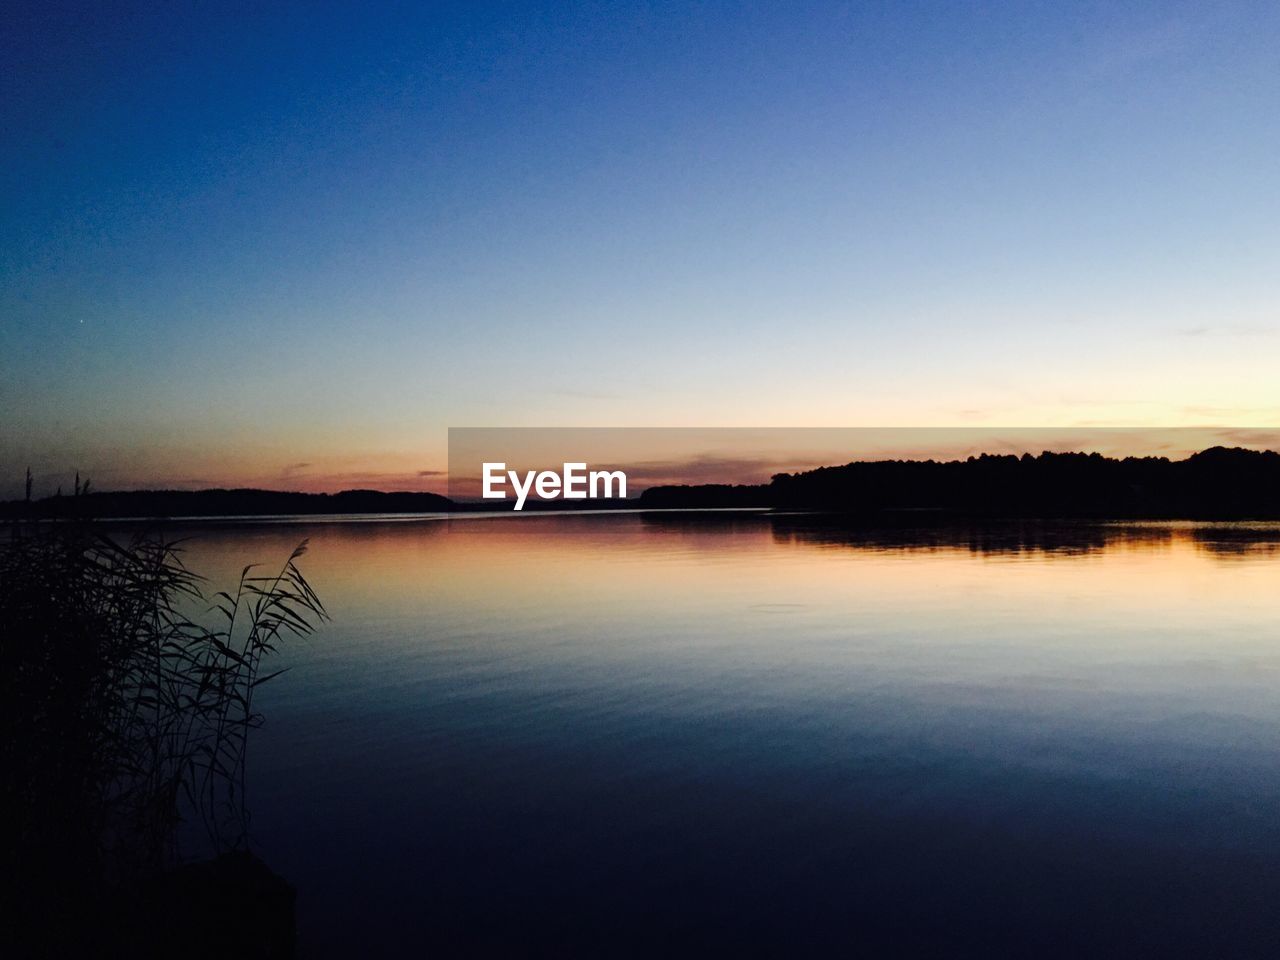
x: 529, y: 467
x: 574, y: 483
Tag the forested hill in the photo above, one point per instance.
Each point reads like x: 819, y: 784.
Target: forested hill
x: 1218, y: 483
x: 224, y: 503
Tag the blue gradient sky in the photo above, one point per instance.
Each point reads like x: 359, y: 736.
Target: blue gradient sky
x: 289, y: 246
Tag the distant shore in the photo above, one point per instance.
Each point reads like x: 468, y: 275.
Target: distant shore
x: 1216, y: 484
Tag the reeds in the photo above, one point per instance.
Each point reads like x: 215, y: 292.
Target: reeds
x: 125, y: 713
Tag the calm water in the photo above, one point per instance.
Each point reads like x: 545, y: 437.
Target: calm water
x: 640, y: 734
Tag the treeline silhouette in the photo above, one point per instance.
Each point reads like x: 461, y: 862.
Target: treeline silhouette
x: 222, y: 503
x: 1218, y: 483
x: 710, y: 496
x: 154, y: 504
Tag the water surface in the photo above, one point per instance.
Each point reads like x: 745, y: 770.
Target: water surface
x: 633, y: 733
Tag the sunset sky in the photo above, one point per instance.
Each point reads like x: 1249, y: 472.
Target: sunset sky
x: 289, y: 246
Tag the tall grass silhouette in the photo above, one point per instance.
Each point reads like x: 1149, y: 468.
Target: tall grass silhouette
x: 127, y: 693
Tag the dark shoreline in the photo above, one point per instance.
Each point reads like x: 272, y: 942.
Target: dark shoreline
x: 1216, y: 484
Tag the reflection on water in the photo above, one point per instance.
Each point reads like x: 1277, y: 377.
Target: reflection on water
x: 635, y: 733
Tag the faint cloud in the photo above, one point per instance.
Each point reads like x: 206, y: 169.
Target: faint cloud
x: 1122, y: 52
x: 412, y: 482
x: 170, y: 483
x: 1228, y: 330
x: 1238, y: 414
x: 586, y: 394
x: 1267, y: 439
x: 711, y: 468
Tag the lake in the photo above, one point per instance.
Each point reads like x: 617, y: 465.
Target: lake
x: 667, y: 733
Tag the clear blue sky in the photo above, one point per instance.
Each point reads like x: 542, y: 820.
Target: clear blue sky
x: 291, y: 245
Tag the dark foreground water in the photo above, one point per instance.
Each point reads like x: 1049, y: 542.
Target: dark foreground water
x: 661, y: 734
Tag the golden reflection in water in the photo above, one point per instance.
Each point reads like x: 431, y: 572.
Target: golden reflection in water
x: 1097, y: 708
x: 1145, y: 584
